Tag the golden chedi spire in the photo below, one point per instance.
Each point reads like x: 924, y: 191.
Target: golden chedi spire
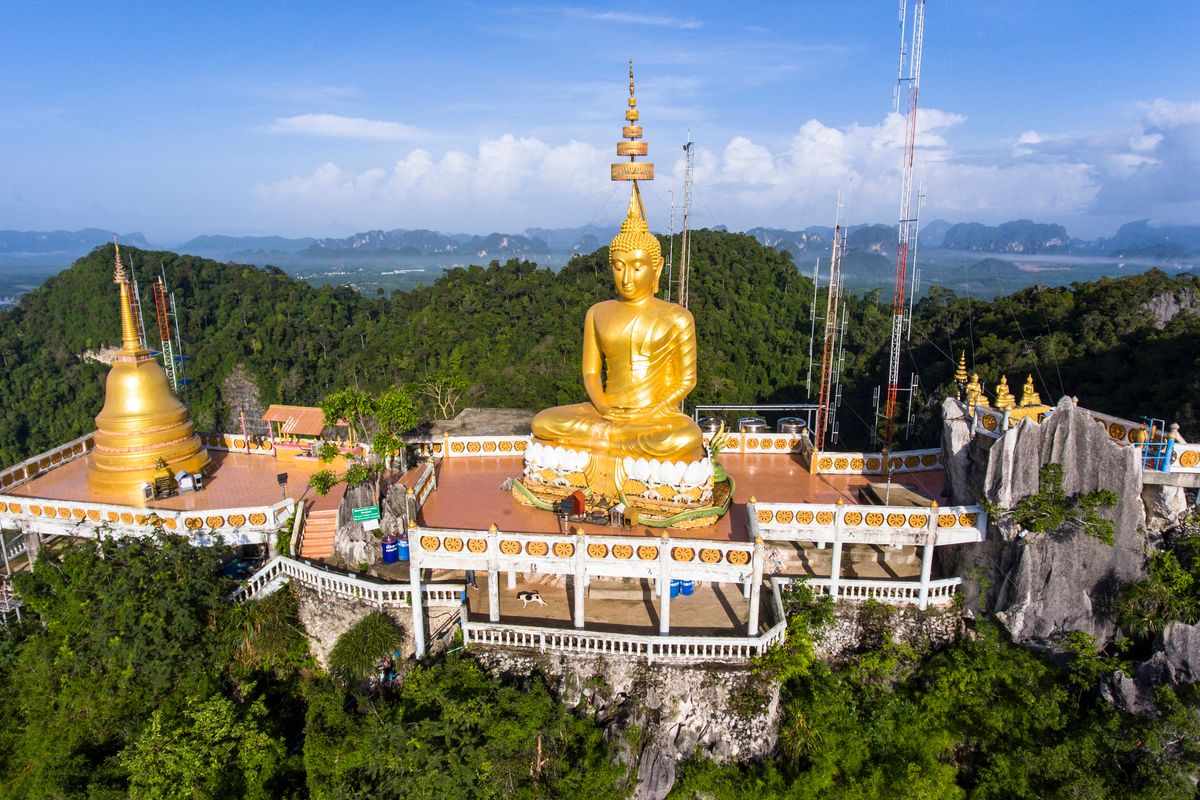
x: 960, y: 372
x: 142, y: 422
x: 635, y: 232
x: 1004, y: 398
x: 1029, y: 395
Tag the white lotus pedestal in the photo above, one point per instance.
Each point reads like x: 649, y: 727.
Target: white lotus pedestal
x: 662, y: 494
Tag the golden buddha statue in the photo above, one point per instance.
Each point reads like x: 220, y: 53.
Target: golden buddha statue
x: 639, y: 363
x: 142, y: 425
x: 1004, y: 398
x: 646, y: 349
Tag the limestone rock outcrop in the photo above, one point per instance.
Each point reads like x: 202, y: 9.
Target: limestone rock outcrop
x: 1042, y: 586
x: 657, y: 715
x: 354, y: 545
x: 1176, y: 661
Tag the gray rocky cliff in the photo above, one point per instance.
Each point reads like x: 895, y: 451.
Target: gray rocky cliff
x: 956, y: 445
x: 1043, y: 586
x: 1176, y: 662
x: 656, y: 715
x: 353, y: 545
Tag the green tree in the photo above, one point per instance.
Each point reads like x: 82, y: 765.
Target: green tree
x: 212, y: 751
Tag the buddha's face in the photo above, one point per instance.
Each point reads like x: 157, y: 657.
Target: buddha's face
x: 635, y: 274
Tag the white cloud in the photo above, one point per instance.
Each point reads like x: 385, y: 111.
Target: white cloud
x: 634, y: 18
x: 513, y: 182
x: 338, y: 127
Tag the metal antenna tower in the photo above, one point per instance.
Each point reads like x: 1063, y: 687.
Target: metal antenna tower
x: 812, y: 330
x: 671, y: 248
x: 916, y: 270
x: 168, y: 319
x: 685, y: 243
x: 908, y: 227
x: 832, y: 302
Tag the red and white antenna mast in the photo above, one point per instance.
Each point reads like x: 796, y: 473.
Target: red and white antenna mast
x: 907, y: 86
x: 826, y: 405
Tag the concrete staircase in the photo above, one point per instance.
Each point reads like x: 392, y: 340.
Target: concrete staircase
x: 320, y: 528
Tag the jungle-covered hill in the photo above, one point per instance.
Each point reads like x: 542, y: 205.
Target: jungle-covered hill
x: 512, y: 332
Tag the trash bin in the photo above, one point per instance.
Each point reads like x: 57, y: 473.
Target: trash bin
x: 402, y: 548
x: 391, y: 550
x: 686, y: 588
x: 675, y: 588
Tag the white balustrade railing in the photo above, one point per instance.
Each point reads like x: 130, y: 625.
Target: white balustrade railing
x: 254, y: 444
x: 35, y: 465
x: 72, y: 518
x: 901, y: 461
x: 612, y: 556
x: 1185, y: 458
x: 14, y: 547
x: 649, y: 647
x: 897, y: 593
x: 865, y: 524
x: 337, y: 584
x: 425, y: 484
x: 479, y: 446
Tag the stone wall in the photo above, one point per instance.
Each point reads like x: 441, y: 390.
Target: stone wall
x: 657, y: 715
x: 326, y: 618
x: 857, y: 626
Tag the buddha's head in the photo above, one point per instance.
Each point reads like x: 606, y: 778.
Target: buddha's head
x: 635, y: 256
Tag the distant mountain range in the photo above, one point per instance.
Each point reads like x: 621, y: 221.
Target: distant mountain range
x: 1018, y: 237
x: 40, y: 247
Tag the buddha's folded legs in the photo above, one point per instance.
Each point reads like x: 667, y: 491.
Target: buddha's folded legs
x: 668, y: 437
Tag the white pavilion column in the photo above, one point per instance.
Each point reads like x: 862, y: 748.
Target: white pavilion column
x: 512, y: 579
x: 835, y: 568
x: 580, y: 578
x: 927, y: 556
x: 493, y: 574
x: 755, y: 586
x: 664, y: 579
x: 414, y: 577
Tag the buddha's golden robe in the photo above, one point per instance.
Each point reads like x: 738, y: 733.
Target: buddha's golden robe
x: 639, y: 363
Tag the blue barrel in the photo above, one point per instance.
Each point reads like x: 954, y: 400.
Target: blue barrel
x: 675, y: 588
x: 686, y: 588
x: 391, y: 550
x: 402, y: 549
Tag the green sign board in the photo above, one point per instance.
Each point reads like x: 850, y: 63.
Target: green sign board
x: 364, y: 514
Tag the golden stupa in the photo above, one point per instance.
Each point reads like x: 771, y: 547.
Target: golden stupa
x: 142, y: 426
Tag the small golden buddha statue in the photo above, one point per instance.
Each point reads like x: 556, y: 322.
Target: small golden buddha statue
x: 1029, y: 395
x: 973, y: 392
x: 1004, y: 398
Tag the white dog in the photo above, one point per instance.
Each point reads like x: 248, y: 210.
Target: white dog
x: 530, y: 597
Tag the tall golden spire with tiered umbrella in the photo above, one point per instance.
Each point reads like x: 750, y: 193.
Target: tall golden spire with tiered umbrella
x: 142, y: 426
x: 633, y: 146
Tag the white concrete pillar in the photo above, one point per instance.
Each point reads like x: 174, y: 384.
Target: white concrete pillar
x: 664, y: 579
x: 927, y: 556
x: 493, y: 575
x: 4, y: 551
x: 580, y: 579
x: 835, y: 568
x: 755, y: 586
x: 512, y: 579
x: 414, y: 577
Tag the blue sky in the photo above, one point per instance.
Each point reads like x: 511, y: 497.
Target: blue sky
x: 305, y: 119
